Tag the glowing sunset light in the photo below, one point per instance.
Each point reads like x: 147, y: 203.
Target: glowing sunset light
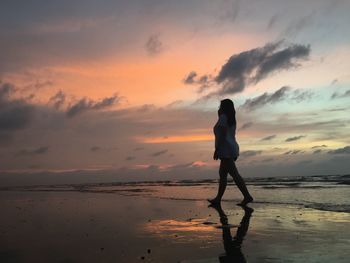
x: 174, y: 139
x: 162, y: 226
x: 199, y: 163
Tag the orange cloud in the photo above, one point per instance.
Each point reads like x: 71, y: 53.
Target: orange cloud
x: 184, y: 138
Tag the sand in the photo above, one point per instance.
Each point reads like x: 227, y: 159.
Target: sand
x: 73, y: 226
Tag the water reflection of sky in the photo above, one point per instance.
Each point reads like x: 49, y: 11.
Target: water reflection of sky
x: 276, y: 231
x: 182, y: 231
x: 90, y: 227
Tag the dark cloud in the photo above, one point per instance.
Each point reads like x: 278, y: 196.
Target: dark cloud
x: 254, y: 103
x: 175, y: 103
x: 299, y: 95
x: 106, y: 102
x: 5, y: 90
x: 337, y: 109
x: 246, y: 126
x: 159, y: 153
x: 293, y: 152
x: 235, y: 73
x: 190, y: 78
x: 250, y: 153
x: 284, y: 93
x: 58, y: 100
x: 319, y: 146
x: 295, y: 138
x: 336, y: 95
x: 344, y: 150
x: 130, y: 158
x: 146, y: 107
x: 37, y: 151
x: 85, y: 104
x: 153, y: 45
x: 282, y: 59
x: 256, y: 64
x: 203, y: 81
x: 95, y: 148
x: 317, y: 151
x: 272, y: 21
x: 80, y: 106
x: 15, y: 114
x: 268, y: 138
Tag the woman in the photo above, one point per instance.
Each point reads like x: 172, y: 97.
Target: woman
x: 227, y: 150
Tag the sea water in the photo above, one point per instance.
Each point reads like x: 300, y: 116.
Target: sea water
x: 324, y: 192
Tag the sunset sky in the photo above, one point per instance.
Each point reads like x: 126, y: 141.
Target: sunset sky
x: 107, y: 90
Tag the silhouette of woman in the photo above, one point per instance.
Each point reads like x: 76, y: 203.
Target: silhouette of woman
x: 227, y: 150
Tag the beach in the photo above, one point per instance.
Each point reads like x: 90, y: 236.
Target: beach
x: 292, y: 220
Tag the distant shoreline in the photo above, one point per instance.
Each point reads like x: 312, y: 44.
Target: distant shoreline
x: 337, y: 178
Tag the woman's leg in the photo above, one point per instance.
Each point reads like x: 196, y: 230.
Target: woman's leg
x: 232, y: 169
x: 222, y: 182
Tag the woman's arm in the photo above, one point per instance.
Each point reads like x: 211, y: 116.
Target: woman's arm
x: 220, y: 141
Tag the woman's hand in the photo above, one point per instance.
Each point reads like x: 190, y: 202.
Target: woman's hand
x: 216, y: 155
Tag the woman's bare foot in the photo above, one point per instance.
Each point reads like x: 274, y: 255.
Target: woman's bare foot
x: 214, y: 201
x: 246, y: 201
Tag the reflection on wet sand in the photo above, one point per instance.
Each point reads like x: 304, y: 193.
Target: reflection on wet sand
x: 232, y: 245
x: 171, y: 225
x: 181, y: 231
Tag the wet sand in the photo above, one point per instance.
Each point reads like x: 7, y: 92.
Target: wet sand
x: 108, y: 227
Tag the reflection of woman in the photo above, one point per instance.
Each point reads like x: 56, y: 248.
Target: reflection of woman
x: 227, y: 150
x: 233, y: 245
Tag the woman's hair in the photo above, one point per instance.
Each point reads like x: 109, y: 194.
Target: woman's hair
x: 227, y: 108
